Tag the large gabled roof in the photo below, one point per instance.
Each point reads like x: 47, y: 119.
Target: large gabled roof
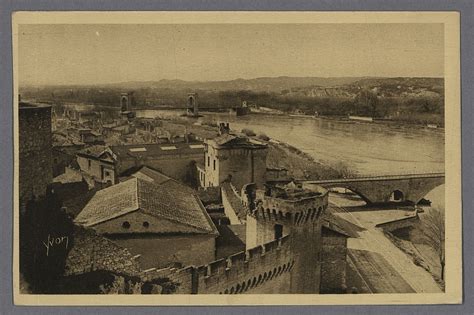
x: 170, y: 202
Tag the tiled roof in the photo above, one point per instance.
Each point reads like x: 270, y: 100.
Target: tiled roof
x: 95, y: 150
x: 68, y: 177
x: 169, y: 201
x: 92, y: 252
x: 151, y: 175
x: 148, y: 174
x: 110, y: 203
x: 225, y: 138
x: 237, y: 140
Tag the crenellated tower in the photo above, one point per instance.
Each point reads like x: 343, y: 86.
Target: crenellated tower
x: 294, y: 212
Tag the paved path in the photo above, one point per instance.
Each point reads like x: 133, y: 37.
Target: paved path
x: 373, y: 239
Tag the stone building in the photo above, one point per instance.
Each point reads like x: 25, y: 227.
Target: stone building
x: 98, y: 162
x: 282, y: 211
x: 233, y: 157
x: 35, y: 143
x: 163, y: 222
x: 176, y: 160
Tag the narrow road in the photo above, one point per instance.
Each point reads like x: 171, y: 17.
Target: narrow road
x: 373, y: 239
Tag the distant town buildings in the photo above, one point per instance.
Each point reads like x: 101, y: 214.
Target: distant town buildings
x: 138, y: 201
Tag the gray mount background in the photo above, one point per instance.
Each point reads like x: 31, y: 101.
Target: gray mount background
x: 466, y: 7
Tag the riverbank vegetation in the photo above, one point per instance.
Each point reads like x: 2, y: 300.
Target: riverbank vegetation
x: 302, y: 166
x: 424, y: 242
x: 409, y: 100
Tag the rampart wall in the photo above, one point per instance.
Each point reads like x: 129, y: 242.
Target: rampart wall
x: 35, y: 151
x: 233, y: 206
x: 333, y: 262
x: 263, y: 269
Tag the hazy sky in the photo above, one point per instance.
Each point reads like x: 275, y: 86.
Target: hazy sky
x: 88, y: 54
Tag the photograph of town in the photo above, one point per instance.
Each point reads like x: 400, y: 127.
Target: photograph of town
x: 230, y: 158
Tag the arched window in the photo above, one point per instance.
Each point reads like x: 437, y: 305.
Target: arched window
x: 146, y: 224
x: 126, y: 225
x: 396, y: 196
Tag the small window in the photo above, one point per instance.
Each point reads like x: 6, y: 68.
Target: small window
x: 208, y: 161
x: 89, y: 163
x: 214, y: 165
x: 126, y: 225
x: 278, y: 231
x: 146, y: 224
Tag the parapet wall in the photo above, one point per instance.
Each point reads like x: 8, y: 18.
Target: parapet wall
x: 296, y: 212
x: 261, y: 269
x: 292, y: 205
x: 399, y: 223
x: 233, y: 206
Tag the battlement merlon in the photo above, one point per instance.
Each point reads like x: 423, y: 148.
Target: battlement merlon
x: 293, y: 203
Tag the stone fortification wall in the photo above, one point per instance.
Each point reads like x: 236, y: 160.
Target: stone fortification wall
x: 298, y: 215
x: 35, y: 143
x: 333, y: 264
x: 233, y: 206
x: 263, y: 269
x: 297, y: 207
x: 288, y: 214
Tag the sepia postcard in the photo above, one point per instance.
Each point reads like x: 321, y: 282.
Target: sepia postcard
x: 237, y: 158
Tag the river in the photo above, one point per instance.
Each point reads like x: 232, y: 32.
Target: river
x: 367, y: 148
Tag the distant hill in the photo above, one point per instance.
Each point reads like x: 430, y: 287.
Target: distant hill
x: 303, y: 86
x: 383, y: 87
x: 266, y: 84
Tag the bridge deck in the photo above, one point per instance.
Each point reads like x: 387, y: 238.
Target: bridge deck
x: 375, y: 178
